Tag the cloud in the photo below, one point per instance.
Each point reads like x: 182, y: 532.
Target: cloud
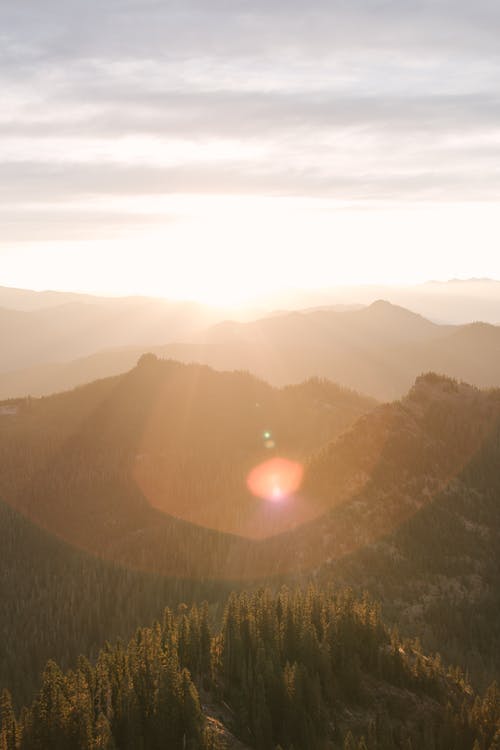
x: 38, y: 191
x: 62, y: 29
x: 350, y: 99
x: 219, y: 114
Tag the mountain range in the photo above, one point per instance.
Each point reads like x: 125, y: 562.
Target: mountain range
x: 377, y: 350
x: 455, y: 301
x: 38, y: 328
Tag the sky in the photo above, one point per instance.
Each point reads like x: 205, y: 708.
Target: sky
x: 224, y: 150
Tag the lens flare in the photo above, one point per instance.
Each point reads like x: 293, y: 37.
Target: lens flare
x: 276, y: 479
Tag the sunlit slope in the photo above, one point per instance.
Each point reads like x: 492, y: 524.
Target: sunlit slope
x: 393, y: 463
x: 428, y: 526
x: 415, y: 519
x: 102, y: 466
x: 437, y: 573
x: 306, y: 669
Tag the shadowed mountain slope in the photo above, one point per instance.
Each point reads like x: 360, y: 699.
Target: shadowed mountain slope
x: 59, y: 602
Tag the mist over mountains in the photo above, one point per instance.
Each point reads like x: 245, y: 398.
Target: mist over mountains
x: 79, y: 326
x: 457, y: 301
x: 376, y: 349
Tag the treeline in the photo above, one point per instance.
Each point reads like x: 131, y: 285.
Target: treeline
x: 300, y: 669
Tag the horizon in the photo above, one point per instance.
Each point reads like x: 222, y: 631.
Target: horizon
x: 266, y: 301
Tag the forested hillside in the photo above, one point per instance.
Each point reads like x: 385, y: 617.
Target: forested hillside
x: 415, y: 519
x: 174, y: 437
x: 405, y: 499
x: 437, y: 573
x: 393, y: 463
x: 58, y: 602
x: 297, y: 670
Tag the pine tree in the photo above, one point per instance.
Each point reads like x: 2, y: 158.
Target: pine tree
x: 8, y: 725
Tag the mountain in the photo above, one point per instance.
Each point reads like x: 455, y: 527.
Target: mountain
x: 300, y: 669
x: 391, y: 464
x: 149, y: 469
x: 456, y: 301
x: 377, y: 350
x: 54, y: 377
x: 356, y: 345
x: 412, y: 516
x: 28, y: 299
x: 102, y: 465
x: 80, y: 327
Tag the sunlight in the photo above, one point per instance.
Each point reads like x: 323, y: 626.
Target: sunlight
x: 276, y: 479
x: 235, y: 250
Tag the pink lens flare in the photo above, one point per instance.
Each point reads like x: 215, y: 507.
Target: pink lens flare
x: 275, y: 479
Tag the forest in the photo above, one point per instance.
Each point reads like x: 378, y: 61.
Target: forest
x: 299, y: 669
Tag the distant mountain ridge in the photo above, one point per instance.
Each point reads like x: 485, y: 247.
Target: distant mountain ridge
x: 378, y: 349
x: 80, y: 327
x: 456, y: 301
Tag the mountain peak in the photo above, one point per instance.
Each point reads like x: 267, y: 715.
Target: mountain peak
x: 383, y: 306
x: 435, y: 387
x: 437, y: 381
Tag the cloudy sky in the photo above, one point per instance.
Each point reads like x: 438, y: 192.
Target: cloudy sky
x: 221, y: 149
